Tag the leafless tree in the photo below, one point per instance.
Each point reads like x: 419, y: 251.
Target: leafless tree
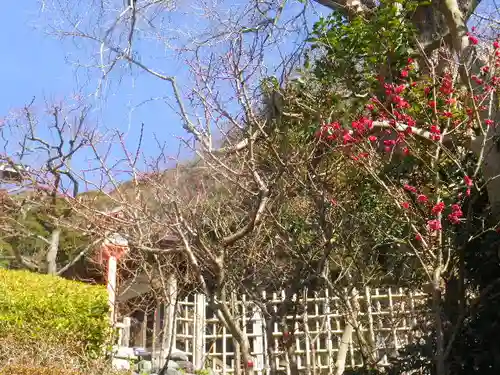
x: 226, y: 211
x: 39, y: 150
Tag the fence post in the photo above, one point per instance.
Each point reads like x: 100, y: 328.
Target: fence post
x: 125, y: 338
x: 111, y: 286
x: 307, y: 336
x: 258, y: 340
x: 369, y: 312
x: 199, y: 331
x: 393, y: 322
x: 144, y: 330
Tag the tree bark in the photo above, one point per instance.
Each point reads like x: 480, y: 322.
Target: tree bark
x: 343, y: 348
x: 51, y: 257
x: 436, y: 306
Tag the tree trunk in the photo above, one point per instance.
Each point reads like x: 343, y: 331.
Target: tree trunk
x: 343, y: 348
x: 52, y: 252
x: 238, y: 334
x: 438, y: 324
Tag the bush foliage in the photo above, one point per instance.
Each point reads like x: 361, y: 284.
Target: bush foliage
x: 51, y: 310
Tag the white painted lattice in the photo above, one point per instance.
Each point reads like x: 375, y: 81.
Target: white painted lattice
x: 387, y: 317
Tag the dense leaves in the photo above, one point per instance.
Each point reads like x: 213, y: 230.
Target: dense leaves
x: 52, y: 310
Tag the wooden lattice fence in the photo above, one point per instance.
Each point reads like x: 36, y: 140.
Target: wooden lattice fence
x: 387, y: 319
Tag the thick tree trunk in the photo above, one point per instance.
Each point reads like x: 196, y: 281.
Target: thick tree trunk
x: 343, y: 348
x: 51, y: 257
x: 438, y: 324
x: 491, y: 168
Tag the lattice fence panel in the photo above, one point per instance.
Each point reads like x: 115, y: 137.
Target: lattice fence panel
x: 387, y: 318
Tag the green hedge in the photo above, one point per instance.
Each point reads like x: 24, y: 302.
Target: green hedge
x: 49, y: 309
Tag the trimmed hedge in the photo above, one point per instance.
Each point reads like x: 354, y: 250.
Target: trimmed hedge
x: 52, y: 310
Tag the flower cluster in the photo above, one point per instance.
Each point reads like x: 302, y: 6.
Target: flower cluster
x: 437, y: 209
x: 456, y: 214
x: 329, y: 132
x: 406, y: 71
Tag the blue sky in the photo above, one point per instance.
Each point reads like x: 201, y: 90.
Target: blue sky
x: 39, y: 65
x: 33, y: 65
x: 36, y: 64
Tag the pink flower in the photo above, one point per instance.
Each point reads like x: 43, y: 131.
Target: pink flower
x: 476, y: 79
x: 454, y: 219
x: 421, y: 198
x: 496, y: 44
x: 405, y: 205
x: 418, y: 237
x: 488, y: 122
x: 473, y: 40
x: 436, y: 137
x: 410, y: 188
x: 432, y: 103
x: 404, y: 73
x: 434, y: 129
x: 438, y: 208
x: 456, y: 214
x: 410, y: 121
x: 399, y: 89
x: 370, y: 107
x: 468, y: 181
x: 347, y: 138
x: 447, y: 114
x: 406, y: 151
x: 434, y: 225
x: 402, y: 104
x: 372, y: 138
x: 446, y: 85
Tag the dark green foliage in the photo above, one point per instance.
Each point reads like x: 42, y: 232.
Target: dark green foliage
x: 359, y: 48
x: 52, y: 310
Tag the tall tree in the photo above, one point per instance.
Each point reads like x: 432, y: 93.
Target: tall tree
x: 270, y: 189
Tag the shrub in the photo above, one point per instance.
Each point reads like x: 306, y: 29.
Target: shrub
x: 46, y: 309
